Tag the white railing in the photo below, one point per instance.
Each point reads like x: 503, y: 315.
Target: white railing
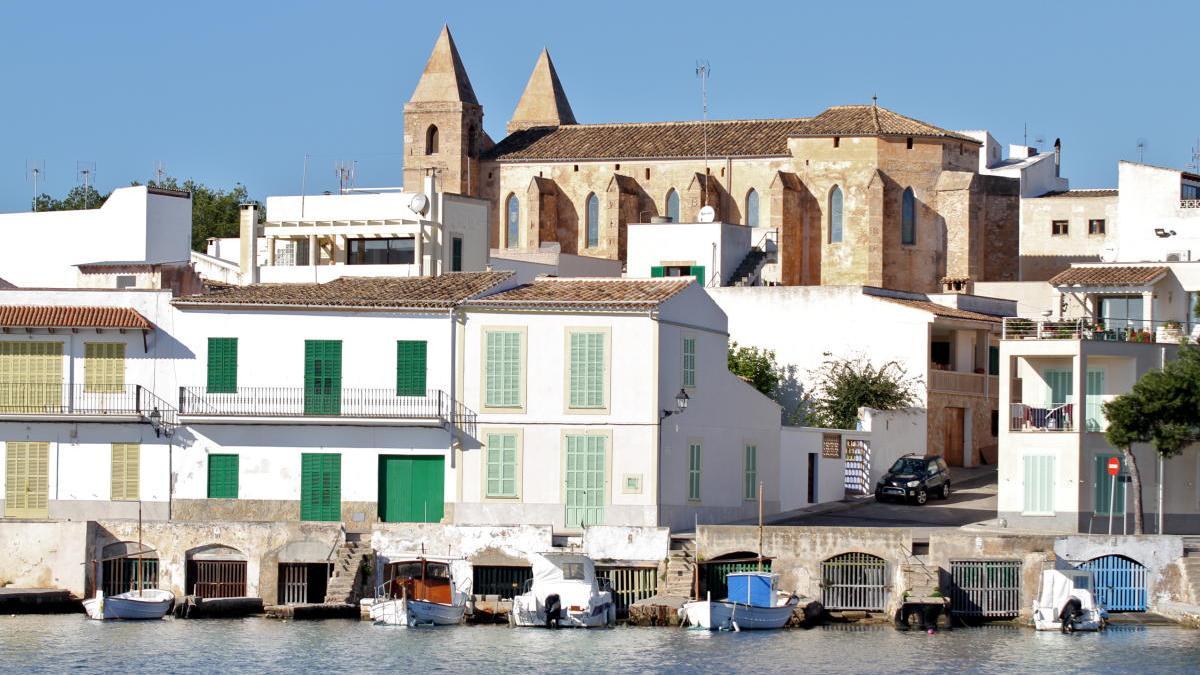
x: 1024, y: 417
x: 963, y: 383
x: 1121, y: 330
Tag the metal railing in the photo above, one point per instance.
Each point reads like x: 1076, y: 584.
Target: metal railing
x: 1118, y: 330
x: 375, y: 403
x: 1024, y: 417
x: 963, y: 383
x: 57, y: 398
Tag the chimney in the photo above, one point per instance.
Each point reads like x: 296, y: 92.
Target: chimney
x: 1057, y: 157
x: 958, y: 285
x: 248, y: 238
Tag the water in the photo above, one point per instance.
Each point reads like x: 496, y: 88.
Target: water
x: 70, y: 642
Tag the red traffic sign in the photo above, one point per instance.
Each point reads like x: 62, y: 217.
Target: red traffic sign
x: 1114, y: 466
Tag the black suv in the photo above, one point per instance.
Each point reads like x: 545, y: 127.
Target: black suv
x: 914, y: 478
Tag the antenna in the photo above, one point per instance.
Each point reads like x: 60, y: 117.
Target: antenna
x: 85, y: 174
x: 1141, y: 149
x: 35, y: 171
x: 1195, y: 163
x: 160, y: 172
x: 704, y: 71
x: 346, y: 171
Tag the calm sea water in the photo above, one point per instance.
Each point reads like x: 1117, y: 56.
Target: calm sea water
x: 72, y: 643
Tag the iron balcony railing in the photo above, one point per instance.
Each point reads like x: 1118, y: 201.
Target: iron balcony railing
x: 57, y: 398
x: 1112, y: 330
x: 373, y: 403
x: 1024, y: 417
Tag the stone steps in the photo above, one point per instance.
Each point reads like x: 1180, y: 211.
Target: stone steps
x: 681, y: 569
x: 343, y: 580
x: 1191, y: 577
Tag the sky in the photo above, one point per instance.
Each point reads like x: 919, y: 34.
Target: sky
x: 239, y: 92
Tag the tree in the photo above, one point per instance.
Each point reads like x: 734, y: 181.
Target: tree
x: 756, y: 366
x: 842, y: 386
x: 77, y: 199
x: 1163, y: 409
x: 215, y: 212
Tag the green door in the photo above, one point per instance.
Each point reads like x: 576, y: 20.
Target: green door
x: 585, y: 480
x: 322, y: 377
x: 411, y: 489
x: 320, y: 486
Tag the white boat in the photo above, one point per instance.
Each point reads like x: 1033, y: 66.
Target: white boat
x: 1067, y: 602
x: 564, y: 591
x: 754, y: 603
x: 424, y: 591
x: 150, y: 603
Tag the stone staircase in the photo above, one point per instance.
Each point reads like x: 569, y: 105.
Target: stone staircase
x: 343, y: 582
x: 681, y: 569
x: 919, y: 580
x: 750, y: 265
x: 1191, y: 568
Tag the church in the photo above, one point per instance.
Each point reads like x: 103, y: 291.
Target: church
x: 858, y: 194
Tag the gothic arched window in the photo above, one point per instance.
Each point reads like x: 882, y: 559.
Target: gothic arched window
x: 593, y: 221
x: 835, y: 215
x: 431, y: 140
x: 908, y: 218
x: 752, y: 208
x: 673, y: 205
x: 512, y: 222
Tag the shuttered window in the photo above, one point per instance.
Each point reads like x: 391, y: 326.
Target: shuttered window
x: 694, y: 471
x: 502, y: 387
x: 1094, y: 410
x: 26, y: 479
x: 502, y: 465
x: 31, y: 376
x: 751, y: 480
x: 222, y: 476
x: 1039, y: 485
x: 410, y: 367
x: 1060, y: 387
x: 103, y: 367
x: 126, y: 458
x: 322, y: 377
x: 222, y: 365
x: 320, y: 486
x: 586, y: 372
x: 1109, y: 495
x: 689, y: 362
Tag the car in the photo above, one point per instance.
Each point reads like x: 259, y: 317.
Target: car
x: 914, y: 478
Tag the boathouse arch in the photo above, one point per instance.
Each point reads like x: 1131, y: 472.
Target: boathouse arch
x: 215, y: 571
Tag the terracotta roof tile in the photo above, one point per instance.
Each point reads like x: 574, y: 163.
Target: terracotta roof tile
x: 652, y: 140
x: 871, y: 120
x: 632, y: 294
x: 941, y: 310
x: 1089, y: 192
x: 1108, y: 275
x: 34, y: 316
x: 440, y: 292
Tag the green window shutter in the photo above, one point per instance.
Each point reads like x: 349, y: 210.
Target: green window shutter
x: 322, y: 377
x: 1104, y: 495
x: 320, y: 486
x: 1060, y: 387
x: 222, y: 476
x: 502, y: 465
x: 502, y: 388
x: 694, y: 471
x: 993, y: 360
x: 689, y: 362
x: 1094, y: 411
x: 222, y: 365
x: 751, y: 490
x: 1039, y: 485
x: 586, y: 370
x: 698, y: 272
x: 656, y: 271
x: 410, y: 367
x: 456, y: 254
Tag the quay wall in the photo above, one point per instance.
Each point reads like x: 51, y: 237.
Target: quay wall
x: 41, y: 554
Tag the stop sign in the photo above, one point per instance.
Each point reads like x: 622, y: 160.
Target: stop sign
x: 1114, y: 466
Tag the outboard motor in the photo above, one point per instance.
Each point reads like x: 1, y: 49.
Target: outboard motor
x: 1070, y: 614
x: 553, y: 610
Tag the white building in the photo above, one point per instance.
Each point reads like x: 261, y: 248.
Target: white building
x: 142, y: 235
x: 715, y: 253
x: 1039, y: 172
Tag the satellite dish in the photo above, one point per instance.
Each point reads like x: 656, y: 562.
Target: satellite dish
x: 419, y: 204
x: 707, y: 214
x: 1108, y: 253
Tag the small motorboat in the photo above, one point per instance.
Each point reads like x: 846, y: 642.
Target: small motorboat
x: 424, y: 591
x: 150, y: 603
x: 1067, y: 602
x: 754, y: 603
x: 564, y: 591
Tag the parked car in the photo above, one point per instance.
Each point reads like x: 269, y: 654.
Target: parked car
x: 913, y: 478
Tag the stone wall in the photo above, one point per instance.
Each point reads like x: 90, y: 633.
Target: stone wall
x: 45, y: 554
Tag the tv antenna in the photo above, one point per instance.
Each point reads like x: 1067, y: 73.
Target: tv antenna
x: 85, y: 175
x: 1195, y: 163
x: 35, y: 171
x: 346, y: 171
x: 160, y: 173
x: 1141, y: 150
x: 704, y: 71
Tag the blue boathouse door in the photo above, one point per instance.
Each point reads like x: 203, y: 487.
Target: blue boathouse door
x: 1120, y: 582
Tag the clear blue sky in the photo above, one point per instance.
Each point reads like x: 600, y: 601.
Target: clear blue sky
x: 228, y: 92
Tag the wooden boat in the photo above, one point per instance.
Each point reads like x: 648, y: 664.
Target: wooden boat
x: 1067, y: 602
x: 564, y: 591
x: 151, y: 603
x: 754, y: 603
x: 424, y: 591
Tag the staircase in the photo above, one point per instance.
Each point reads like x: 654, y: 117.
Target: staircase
x: 348, y: 560
x: 749, y: 266
x: 1191, y: 568
x: 681, y: 569
x: 920, y: 580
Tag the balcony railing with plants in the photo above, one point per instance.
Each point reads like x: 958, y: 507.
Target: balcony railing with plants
x: 93, y: 399
x: 1121, y: 330
x: 331, y: 402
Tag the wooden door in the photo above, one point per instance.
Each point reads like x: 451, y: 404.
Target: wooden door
x: 411, y: 489
x: 952, y: 452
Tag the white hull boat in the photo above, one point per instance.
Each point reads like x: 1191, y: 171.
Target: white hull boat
x: 424, y: 591
x: 727, y: 615
x: 564, y: 591
x: 527, y: 614
x: 146, y: 605
x: 1067, y: 602
x: 404, y: 612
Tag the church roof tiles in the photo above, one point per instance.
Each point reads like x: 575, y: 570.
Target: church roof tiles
x: 871, y: 120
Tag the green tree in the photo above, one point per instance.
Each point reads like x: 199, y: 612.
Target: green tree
x: 77, y: 199
x: 842, y: 386
x: 756, y: 366
x: 1163, y: 409
x: 215, y: 212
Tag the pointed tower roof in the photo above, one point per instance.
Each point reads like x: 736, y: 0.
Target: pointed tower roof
x: 445, y: 78
x: 544, y: 103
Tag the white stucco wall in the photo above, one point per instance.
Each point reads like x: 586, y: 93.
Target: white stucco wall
x: 718, y: 247
x: 1150, y: 200
x: 796, y: 444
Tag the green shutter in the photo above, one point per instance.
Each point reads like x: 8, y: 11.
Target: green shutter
x: 586, y: 370
x: 410, y: 367
x: 585, y: 480
x: 456, y: 252
x: 322, y: 377
x: 411, y: 489
x: 1060, y: 387
x: 751, y: 489
x: 320, y: 486
x: 1104, y: 494
x: 656, y: 271
x: 689, y: 362
x: 694, y: 471
x: 993, y: 360
x: 502, y: 465
x: 222, y: 365
x: 698, y: 272
x: 502, y: 387
x: 1094, y: 412
x: 1039, y: 485
x: 222, y: 476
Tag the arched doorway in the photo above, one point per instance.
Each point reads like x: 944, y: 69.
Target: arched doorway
x: 713, y: 572
x: 215, y: 571
x: 1120, y: 582
x: 119, y: 565
x: 854, y: 581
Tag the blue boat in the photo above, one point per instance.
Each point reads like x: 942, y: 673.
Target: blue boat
x: 754, y: 603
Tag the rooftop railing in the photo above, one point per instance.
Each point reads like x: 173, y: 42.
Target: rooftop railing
x: 1120, y: 330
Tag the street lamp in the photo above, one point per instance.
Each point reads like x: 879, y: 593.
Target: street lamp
x: 156, y: 424
x: 681, y: 404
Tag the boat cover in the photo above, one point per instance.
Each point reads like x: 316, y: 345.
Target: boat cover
x: 1059, y: 586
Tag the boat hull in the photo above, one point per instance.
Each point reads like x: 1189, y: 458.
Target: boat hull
x: 724, y: 615
x: 528, y: 615
x: 1092, y: 620
x: 134, y: 605
x: 404, y: 612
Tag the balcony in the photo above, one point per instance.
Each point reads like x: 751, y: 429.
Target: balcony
x: 116, y: 403
x: 1024, y: 417
x: 380, y: 405
x: 963, y: 383
x: 1125, y: 330
x: 1189, y: 203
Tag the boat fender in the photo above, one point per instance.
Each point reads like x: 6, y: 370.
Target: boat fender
x: 553, y: 610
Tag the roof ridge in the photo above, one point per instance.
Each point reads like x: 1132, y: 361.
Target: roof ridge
x: 595, y: 125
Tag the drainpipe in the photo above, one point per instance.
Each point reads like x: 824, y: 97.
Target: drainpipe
x: 1162, y: 363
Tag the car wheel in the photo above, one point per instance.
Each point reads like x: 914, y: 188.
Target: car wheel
x: 946, y: 490
x: 922, y: 496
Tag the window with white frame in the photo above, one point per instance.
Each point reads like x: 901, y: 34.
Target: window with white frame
x: 502, y: 465
x: 502, y: 369
x: 586, y: 369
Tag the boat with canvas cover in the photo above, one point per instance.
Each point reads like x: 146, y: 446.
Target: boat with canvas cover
x: 564, y: 591
x: 424, y: 591
x: 1067, y: 602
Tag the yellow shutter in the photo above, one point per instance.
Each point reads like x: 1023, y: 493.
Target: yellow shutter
x: 26, y: 479
x: 104, y: 367
x: 125, y: 465
x: 31, y: 375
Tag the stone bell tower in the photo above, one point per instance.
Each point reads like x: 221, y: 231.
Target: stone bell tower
x: 443, y: 124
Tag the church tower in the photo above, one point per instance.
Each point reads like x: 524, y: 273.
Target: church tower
x: 544, y: 103
x: 443, y: 124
